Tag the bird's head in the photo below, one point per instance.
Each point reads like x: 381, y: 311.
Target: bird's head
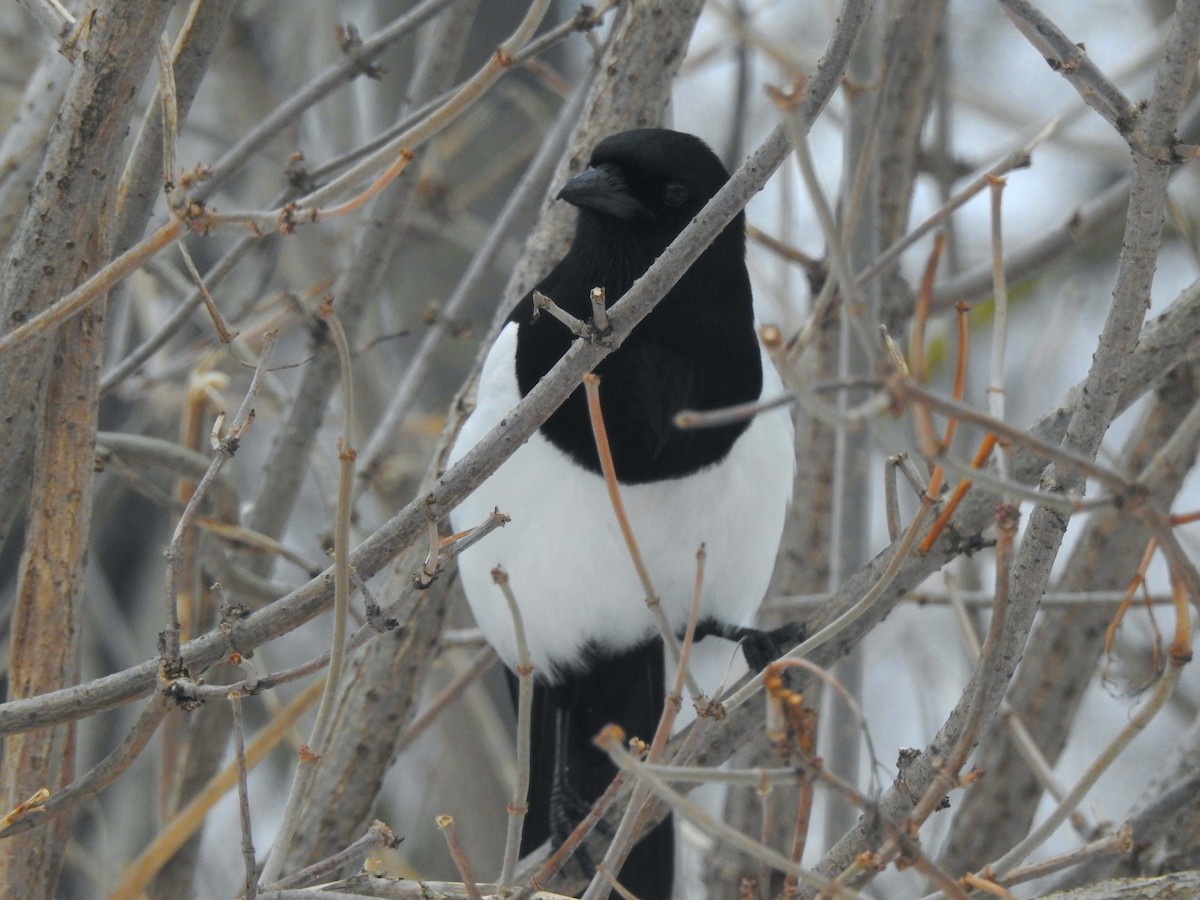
x: 648, y: 182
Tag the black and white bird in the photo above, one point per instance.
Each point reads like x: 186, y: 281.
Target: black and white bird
x: 595, y: 647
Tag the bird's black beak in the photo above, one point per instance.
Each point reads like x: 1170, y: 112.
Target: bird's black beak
x: 603, y: 189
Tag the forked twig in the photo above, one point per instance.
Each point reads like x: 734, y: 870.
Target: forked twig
x: 611, y: 740
x: 224, y: 446
x: 174, y: 834
x: 1180, y: 655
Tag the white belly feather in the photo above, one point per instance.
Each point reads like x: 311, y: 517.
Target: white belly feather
x: 566, y: 560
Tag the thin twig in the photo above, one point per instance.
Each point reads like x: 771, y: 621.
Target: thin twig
x: 386, y: 164
x: 94, y: 288
x: 425, y: 576
x: 225, y: 448
x: 830, y: 631
x: 318, y: 741
x: 56, y: 18
x: 542, y: 303
x: 1162, y: 692
x: 224, y: 333
x: 839, y: 258
x: 919, y: 365
x: 687, y: 419
x: 891, y: 503
x: 520, y: 801
x: 250, y: 885
x: 1119, y: 842
x: 478, y: 666
x: 599, y: 311
x: 459, y: 542
x: 173, y: 322
x: 445, y: 824
x: 591, y: 385
x: 321, y: 85
x: 1071, y: 60
x: 1019, y: 159
x: 610, y: 740
x: 377, y: 835
x: 35, y: 803
x: 100, y: 776
x: 168, y: 101
x: 554, y: 863
x: 1025, y: 743
x: 995, y: 390
x: 960, y: 490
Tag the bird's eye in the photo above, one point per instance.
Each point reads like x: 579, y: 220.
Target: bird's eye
x: 675, y: 193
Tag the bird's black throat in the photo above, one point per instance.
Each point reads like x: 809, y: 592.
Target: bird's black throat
x: 696, y: 350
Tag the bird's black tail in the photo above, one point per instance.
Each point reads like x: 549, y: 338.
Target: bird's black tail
x: 568, y: 773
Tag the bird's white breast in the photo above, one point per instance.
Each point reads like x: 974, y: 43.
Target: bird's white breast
x: 567, y: 563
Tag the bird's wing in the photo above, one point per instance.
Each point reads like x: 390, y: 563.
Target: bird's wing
x: 656, y: 382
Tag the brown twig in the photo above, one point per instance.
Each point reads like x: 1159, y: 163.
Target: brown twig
x: 591, y: 385
x: 982, y: 455
x: 551, y: 867
x: 94, y: 288
x: 1121, y: 841
x: 687, y: 419
x: 542, y: 303
x: 445, y: 824
x: 452, y: 546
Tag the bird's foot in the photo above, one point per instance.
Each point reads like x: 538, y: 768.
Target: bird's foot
x: 759, y: 647
x: 763, y: 647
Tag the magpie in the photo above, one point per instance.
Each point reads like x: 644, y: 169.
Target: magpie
x: 595, y: 647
